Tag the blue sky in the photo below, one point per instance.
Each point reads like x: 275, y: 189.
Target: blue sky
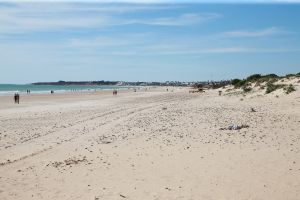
x: 147, y: 41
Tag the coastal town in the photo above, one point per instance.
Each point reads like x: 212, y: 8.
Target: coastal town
x: 128, y: 83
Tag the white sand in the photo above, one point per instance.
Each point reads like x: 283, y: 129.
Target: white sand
x: 150, y: 145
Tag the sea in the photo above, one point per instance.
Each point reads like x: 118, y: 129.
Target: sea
x: 10, y: 89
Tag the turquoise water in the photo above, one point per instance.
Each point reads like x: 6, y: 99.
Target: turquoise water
x: 9, y: 89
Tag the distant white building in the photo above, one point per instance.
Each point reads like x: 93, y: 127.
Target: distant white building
x: 120, y: 83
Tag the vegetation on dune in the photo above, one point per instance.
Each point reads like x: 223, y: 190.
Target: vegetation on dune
x: 290, y: 88
x: 292, y: 75
x: 271, y: 87
x: 247, y: 89
x: 269, y: 83
x: 271, y: 76
x: 287, y: 88
x: 289, y: 75
x: 237, y: 83
x: 253, y: 78
x: 269, y: 79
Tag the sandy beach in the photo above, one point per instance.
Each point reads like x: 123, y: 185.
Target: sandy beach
x: 153, y: 144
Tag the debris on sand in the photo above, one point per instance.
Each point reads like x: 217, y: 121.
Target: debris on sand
x: 105, y: 139
x: 235, y: 127
x: 106, y: 142
x: 68, y: 162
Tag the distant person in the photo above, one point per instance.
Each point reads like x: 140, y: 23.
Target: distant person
x: 17, y: 98
x: 52, y: 92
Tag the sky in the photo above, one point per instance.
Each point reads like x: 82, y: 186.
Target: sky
x: 150, y: 40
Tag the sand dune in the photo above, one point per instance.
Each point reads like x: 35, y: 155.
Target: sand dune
x: 150, y: 144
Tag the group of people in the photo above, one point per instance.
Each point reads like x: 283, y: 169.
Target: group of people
x: 17, y: 98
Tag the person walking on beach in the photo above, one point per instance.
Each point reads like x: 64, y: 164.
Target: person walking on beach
x: 17, y: 98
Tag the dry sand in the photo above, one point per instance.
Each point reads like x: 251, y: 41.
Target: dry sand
x: 150, y: 145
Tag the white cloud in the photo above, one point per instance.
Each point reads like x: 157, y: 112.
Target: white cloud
x: 254, y: 33
x: 107, y: 42
x: 195, y: 50
x: 29, y: 17
x: 182, y: 20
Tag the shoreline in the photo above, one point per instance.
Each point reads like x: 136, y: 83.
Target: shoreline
x: 42, y: 98
x: 27, y: 100
x: 63, y: 89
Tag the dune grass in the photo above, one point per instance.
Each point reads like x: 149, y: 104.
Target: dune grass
x: 269, y: 79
